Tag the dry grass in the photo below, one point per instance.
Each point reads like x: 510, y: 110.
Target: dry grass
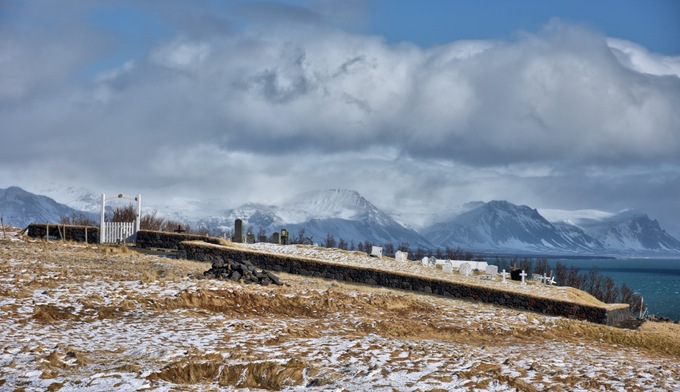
x: 74, y: 313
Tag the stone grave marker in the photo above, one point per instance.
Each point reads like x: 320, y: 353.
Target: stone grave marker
x: 377, y: 251
x: 492, y: 270
x: 447, y: 267
x: 465, y: 269
x: 425, y: 261
x: 432, y: 262
x: 238, y: 230
x: 505, y: 276
x: 400, y: 256
x: 523, y: 275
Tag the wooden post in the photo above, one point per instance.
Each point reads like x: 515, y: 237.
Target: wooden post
x: 642, y: 302
x: 85, y: 235
x: 101, y: 220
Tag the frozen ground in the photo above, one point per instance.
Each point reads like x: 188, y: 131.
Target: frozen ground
x: 97, y: 319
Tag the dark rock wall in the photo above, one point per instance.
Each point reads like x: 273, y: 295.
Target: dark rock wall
x: 66, y: 232
x: 199, y: 252
x: 166, y: 240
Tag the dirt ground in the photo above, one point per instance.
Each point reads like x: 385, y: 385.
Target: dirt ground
x: 93, y: 318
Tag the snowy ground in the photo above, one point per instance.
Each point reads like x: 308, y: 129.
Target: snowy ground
x: 74, y: 317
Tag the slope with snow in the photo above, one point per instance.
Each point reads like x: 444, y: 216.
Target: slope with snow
x: 500, y: 225
x: 344, y: 214
x: 21, y: 208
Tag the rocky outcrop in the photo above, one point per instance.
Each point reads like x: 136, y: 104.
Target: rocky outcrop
x: 241, y: 271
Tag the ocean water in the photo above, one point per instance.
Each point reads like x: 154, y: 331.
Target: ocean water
x: 656, y: 280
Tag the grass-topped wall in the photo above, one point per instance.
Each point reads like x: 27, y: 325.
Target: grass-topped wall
x: 166, y: 240
x: 611, y: 315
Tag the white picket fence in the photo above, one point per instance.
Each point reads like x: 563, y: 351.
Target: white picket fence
x: 119, y: 232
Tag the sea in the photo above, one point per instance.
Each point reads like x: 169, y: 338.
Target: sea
x: 656, y: 280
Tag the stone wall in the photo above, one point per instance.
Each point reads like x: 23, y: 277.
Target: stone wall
x: 167, y: 240
x: 66, y: 232
x: 320, y: 269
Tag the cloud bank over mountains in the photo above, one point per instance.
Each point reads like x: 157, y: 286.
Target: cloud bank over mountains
x: 210, y: 110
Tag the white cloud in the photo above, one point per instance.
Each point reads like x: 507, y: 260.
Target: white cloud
x: 641, y: 60
x: 267, y: 112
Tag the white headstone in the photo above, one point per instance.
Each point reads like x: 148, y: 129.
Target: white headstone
x: 400, y: 256
x: 492, y: 270
x: 432, y: 262
x: 376, y: 251
x: 465, y: 269
x: 505, y: 276
x: 448, y: 266
x: 425, y: 261
x: 523, y: 275
x: 479, y: 265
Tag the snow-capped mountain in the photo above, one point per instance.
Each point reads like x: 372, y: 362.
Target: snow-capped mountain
x: 76, y: 197
x: 626, y: 231
x: 20, y: 208
x: 345, y: 214
x: 503, y: 226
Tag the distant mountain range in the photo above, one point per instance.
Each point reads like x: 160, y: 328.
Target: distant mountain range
x: 20, y: 208
x: 345, y: 214
x: 495, y: 226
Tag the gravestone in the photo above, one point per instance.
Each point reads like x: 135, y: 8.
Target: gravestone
x: 250, y: 237
x: 465, y: 269
x: 425, y: 261
x: 523, y: 275
x: 515, y: 274
x: 377, y: 251
x: 275, y: 238
x: 238, y: 230
x: 400, y: 256
x: 505, y: 276
x: 283, y: 238
x: 492, y: 270
x: 432, y: 262
x: 447, y: 267
x: 536, y: 278
x: 479, y: 265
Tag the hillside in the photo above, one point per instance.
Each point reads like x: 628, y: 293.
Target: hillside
x: 101, y: 318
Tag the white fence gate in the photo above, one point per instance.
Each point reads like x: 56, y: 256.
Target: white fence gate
x: 119, y: 232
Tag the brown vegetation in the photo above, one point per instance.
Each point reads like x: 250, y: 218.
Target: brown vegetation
x: 110, y: 318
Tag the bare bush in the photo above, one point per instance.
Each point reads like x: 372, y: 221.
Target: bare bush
x: 124, y: 214
x: 151, y: 221
x: 78, y: 219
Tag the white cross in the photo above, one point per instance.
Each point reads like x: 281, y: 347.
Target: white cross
x: 545, y: 280
x: 504, y: 276
x: 523, y: 275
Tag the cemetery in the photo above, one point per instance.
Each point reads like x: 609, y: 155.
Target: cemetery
x: 247, y: 260
x: 465, y: 284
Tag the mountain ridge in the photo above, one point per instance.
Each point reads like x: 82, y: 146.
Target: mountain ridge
x: 494, y: 226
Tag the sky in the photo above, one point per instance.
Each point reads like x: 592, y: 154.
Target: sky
x: 201, y: 106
